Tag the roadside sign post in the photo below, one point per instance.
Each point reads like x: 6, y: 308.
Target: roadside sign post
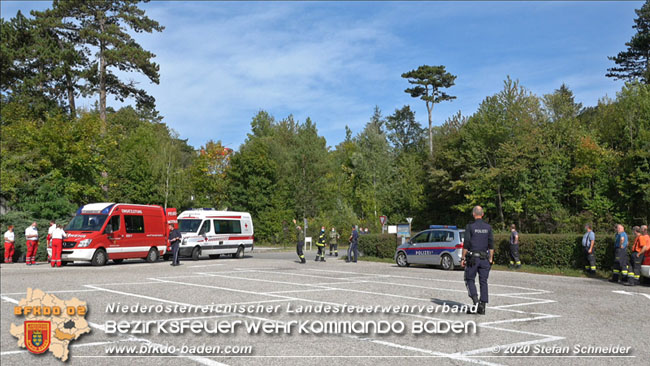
x: 409, y: 219
x: 383, y: 219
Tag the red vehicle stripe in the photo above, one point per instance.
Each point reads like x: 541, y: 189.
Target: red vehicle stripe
x: 240, y: 237
x: 434, y: 248
x: 223, y: 217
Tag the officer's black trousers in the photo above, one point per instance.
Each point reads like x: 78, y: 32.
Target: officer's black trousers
x: 620, y: 262
x: 175, y: 249
x: 299, y: 247
x: 353, y: 252
x: 482, y: 267
x: 514, y: 254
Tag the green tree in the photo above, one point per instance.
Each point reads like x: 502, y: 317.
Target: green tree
x: 103, y: 28
x: 429, y: 81
x: 634, y: 63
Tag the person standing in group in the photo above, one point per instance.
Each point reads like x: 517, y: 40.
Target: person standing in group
x: 300, y: 243
x: 57, y: 245
x: 48, y: 240
x: 10, y: 240
x: 639, y: 248
x: 320, y: 245
x: 514, y: 247
x: 175, y: 238
x: 478, y: 252
x: 620, y: 255
x: 588, y: 242
x: 334, y: 242
x: 31, y: 236
x: 353, y: 249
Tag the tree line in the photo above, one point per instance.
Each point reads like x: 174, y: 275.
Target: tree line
x: 543, y: 162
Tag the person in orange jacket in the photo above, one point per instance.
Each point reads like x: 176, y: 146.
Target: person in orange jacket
x: 640, y: 247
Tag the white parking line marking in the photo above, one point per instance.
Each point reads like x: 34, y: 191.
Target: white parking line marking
x: 207, y: 265
x: 385, y: 343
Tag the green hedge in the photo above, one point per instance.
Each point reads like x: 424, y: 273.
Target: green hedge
x: 547, y: 250
x: 555, y: 250
x: 378, y: 245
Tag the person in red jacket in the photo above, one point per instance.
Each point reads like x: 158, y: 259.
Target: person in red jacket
x: 31, y: 236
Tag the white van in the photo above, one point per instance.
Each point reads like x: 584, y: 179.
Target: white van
x: 207, y: 232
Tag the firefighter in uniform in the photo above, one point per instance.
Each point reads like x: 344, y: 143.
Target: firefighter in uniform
x: 478, y: 252
x: 514, y: 247
x: 334, y: 242
x: 320, y: 245
x: 31, y: 235
x: 10, y: 240
x: 300, y: 235
x: 57, y: 245
x: 641, y: 244
x: 620, y: 255
x: 588, y: 241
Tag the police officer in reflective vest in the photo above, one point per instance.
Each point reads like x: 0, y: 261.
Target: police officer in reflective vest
x: 478, y: 252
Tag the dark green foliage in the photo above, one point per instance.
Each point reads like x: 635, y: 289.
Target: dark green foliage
x: 555, y: 250
x: 378, y: 245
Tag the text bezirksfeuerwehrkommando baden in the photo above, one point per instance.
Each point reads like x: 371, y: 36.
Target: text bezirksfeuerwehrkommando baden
x: 254, y: 325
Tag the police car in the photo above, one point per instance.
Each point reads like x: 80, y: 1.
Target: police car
x: 439, y: 245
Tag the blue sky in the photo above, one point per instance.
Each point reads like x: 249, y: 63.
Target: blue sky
x: 221, y: 62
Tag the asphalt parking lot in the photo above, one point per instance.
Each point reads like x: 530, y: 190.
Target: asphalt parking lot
x: 526, y: 312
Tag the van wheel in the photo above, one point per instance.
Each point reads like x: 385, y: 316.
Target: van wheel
x: 240, y: 252
x: 64, y: 263
x: 446, y: 262
x: 118, y: 261
x: 401, y: 260
x: 152, y: 256
x: 99, y: 258
x: 196, y: 252
x: 215, y: 256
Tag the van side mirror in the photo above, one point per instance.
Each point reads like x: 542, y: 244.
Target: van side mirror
x: 109, y: 229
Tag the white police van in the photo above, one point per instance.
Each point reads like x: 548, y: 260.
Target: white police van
x: 440, y: 245
x: 207, y: 232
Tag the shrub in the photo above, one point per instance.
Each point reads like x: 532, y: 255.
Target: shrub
x: 378, y: 245
x: 555, y: 250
